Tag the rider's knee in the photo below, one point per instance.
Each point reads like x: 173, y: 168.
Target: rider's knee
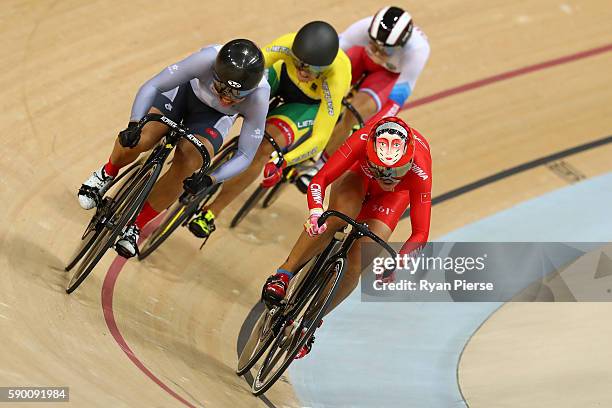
x: 265, y: 150
x: 281, y: 137
x: 150, y: 136
x: 263, y: 153
x: 352, y: 274
x: 186, y: 159
x: 364, y: 103
x: 335, y: 224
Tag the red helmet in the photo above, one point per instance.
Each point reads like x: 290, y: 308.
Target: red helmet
x: 385, y: 147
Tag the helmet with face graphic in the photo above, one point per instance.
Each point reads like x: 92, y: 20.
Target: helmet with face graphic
x: 391, y: 143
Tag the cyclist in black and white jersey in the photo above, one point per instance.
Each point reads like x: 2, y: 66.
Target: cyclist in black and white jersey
x: 206, y: 92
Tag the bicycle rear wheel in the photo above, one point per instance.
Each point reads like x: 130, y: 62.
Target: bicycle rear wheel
x: 248, y: 205
x: 122, y: 211
x: 175, y: 216
x: 273, y: 194
x: 299, y: 325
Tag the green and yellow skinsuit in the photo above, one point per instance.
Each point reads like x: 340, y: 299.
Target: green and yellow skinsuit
x: 311, y: 109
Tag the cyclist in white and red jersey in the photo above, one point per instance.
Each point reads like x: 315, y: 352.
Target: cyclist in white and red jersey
x: 379, y: 171
x: 388, y: 54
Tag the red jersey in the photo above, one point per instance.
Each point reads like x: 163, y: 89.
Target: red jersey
x: 410, y: 185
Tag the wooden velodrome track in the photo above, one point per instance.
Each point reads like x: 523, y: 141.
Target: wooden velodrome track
x: 70, y: 70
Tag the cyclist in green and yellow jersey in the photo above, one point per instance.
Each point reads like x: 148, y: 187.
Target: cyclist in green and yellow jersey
x: 311, y: 75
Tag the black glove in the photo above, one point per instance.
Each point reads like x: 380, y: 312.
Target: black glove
x: 197, y: 182
x: 130, y: 136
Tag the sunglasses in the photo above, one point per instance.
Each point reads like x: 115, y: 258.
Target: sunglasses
x: 382, y: 49
x: 313, y: 69
x: 232, y: 93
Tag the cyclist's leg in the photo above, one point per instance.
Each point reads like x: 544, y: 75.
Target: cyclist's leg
x: 210, y: 127
x: 381, y: 211
x: 233, y: 187
x: 97, y: 183
x: 201, y: 120
x: 285, y: 124
x: 186, y: 161
x: 347, y: 195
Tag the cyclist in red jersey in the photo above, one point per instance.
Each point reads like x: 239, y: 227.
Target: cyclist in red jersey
x: 388, y: 54
x: 379, y: 171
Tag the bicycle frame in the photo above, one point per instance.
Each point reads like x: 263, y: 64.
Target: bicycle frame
x: 160, y: 153
x: 339, y: 247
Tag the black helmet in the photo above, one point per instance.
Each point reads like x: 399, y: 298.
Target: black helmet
x: 239, y: 66
x: 316, y: 44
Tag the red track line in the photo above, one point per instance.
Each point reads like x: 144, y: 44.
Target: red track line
x: 110, y: 279
x: 108, y: 288
x: 507, y: 75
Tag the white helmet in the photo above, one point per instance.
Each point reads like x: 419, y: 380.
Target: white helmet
x: 391, y: 27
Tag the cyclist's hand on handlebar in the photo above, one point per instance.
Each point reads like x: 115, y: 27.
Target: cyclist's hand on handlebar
x: 130, y: 136
x: 197, y: 182
x: 273, y: 172
x: 312, y: 223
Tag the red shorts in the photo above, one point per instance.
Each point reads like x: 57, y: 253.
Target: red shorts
x: 385, y: 206
x: 378, y: 81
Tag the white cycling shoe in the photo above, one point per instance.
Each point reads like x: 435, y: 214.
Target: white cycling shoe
x: 91, y: 192
x: 127, y: 245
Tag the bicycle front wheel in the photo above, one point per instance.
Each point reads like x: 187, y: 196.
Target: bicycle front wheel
x: 260, y: 339
x: 248, y: 205
x: 116, y: 191
x: 300, y: 323
x: 129, y: 201
x: 273, y: 194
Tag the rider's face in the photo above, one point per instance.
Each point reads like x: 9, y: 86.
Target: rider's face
x: 389, y: 148
x: 306, y: 72
x: 225, y: 98
x: 381, y: 51
x: 305, y: 75
x: 227, y: 101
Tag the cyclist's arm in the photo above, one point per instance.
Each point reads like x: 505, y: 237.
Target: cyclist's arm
x: 347, y: 154
x: 171, y: 77
x: 413, y: 62
x: 325, y: 120
x: 250, y: 137
x: 420, y: 212
x: 405, y: 83
x: 279, y: 49
x: 355, y: 34
x: 420, y: 217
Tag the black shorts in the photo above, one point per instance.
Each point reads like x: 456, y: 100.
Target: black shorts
x: 182, y: 106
